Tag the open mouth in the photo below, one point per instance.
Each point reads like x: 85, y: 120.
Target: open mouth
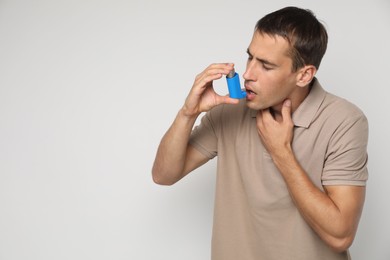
x: 250, y: 92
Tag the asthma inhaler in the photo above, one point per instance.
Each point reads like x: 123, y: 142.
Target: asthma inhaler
x: 233, y: 82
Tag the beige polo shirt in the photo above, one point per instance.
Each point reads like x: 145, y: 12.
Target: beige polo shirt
x: 254, y: 216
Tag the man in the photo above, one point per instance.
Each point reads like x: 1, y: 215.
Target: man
x: 291, y: 157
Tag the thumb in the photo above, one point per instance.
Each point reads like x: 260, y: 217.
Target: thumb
x: 228, y: 100
x: 286, y: 109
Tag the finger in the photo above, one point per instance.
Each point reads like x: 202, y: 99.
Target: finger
x: 259, y: 119
x: 227, y: 100
x: 219, y: 68
x: 260, y: 123
x: 224, y: 70
x: 205, y: 79
x: 228, y: 66
x: 286, y: 109
x: 258, y: 116
x: 203, y: 82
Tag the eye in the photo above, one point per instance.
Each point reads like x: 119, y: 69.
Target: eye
x: 266, y: 67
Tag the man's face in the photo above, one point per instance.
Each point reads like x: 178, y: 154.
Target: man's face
x: 269, y: 79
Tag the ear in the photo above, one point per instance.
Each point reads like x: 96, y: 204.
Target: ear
x: 305, y: 75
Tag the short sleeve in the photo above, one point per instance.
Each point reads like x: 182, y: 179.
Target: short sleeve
x: 346, y: 157
x: 204, y: 137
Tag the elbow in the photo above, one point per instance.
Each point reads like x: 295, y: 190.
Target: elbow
x: 161, y: 181
x: 341, y: 244
x: 161, y: 178
x: 342, y: 237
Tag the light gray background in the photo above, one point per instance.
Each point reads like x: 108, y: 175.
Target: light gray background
x: 88, y: 88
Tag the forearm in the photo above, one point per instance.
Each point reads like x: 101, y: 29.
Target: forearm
x: 169, y: 163
x: 336, y: 227
x: 175, y: 157
x: 333, y: 213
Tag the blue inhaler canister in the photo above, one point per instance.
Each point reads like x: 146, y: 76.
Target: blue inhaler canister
x: 233, y: 82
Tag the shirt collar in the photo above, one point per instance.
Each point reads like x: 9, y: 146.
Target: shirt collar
x: 306, y: 111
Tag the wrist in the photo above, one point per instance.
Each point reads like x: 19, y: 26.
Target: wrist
x: 189, y: 115
x: 185, y: 115
x: 283, y: 157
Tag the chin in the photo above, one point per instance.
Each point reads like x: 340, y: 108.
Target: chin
x: 258, y: 106
x: 253, y: 105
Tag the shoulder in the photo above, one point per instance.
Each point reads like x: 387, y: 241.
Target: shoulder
x: 346, y: 124
x: 321, y: 108
x: 337, y: 111
x: 341, y: 106
x: 334, y: 117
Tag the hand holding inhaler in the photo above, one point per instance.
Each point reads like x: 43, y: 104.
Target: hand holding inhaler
x: 233, y: 82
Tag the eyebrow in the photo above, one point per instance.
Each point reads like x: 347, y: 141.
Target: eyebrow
x: 266, y: 62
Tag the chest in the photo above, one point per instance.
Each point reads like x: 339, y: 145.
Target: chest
x: 255, y: 171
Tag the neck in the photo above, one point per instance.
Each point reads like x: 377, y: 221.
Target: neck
x: 296, y: 99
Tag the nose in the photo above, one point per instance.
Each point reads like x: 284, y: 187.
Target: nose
x: 249, y: 72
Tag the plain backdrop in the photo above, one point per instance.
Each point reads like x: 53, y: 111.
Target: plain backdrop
x: 88, y: 88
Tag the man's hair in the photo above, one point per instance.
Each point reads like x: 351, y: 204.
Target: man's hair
x: 306, y: 35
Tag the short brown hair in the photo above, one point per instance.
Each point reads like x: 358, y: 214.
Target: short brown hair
x: 307, y: 36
